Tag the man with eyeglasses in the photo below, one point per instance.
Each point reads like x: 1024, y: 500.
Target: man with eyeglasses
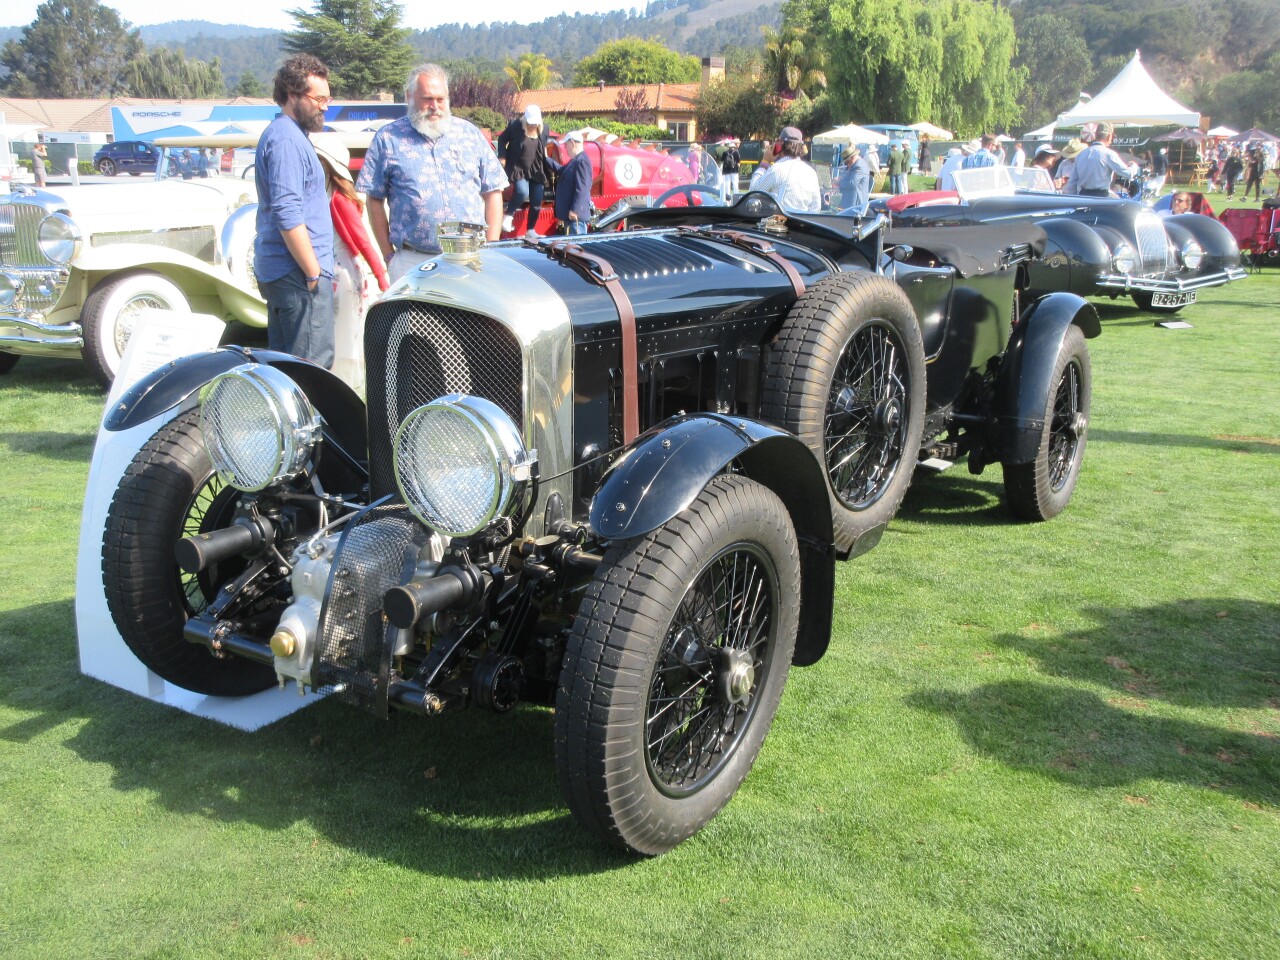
x: 293, y: 251
x: 427, y: 168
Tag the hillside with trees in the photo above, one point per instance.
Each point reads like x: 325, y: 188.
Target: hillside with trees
x: 952, y: 60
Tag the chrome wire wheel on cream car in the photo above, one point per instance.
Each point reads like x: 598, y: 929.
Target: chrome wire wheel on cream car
x: 846, y: 375
x: 675, y: 667
x: 112, y: 309
x: 170, y: 491
x: 1041, y: 489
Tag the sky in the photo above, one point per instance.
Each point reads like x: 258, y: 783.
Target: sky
x: 418, y: 14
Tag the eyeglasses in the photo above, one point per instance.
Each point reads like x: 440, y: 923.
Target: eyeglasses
x: 320, y: 102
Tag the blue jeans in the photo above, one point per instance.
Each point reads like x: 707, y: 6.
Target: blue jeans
x: 300, y: 321
x: 575, y: 228
x: 522, y: 192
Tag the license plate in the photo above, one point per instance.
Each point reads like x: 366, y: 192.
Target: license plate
x: 1173, y: 299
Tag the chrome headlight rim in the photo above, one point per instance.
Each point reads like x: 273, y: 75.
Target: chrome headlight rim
x: 496, y: 441
x: 1123, y: 259
x: 1191, y: 254
x: 65, y: 241
x: 292, y: 420
x: 10, y: 289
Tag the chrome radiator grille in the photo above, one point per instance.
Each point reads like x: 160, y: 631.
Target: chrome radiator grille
x: 198, y: 242
x: 18, y: 225
x: 1153, y: 245
x: 416, y: 352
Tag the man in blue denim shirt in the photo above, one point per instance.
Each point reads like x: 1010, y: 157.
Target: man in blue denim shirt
x: 430, y: 167
x: 293, y: 251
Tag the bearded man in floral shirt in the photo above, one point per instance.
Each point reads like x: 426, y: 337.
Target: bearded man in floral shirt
x: 429, y: 167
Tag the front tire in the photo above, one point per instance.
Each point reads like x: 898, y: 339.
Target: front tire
x: 111, y: 310
x: 7, y: 361
x: 170, y: 491
x: 1042, y: 488
x: 846, y: 376
x: 675, y: 667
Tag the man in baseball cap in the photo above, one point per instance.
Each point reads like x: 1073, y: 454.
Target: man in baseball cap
x: 791, y: 181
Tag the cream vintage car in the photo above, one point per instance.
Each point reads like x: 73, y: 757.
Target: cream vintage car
x: 77, y: 263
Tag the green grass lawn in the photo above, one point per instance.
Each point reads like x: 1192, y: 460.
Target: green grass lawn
x: 1055, y: 740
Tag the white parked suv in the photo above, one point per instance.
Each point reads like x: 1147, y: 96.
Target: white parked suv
x: 77, y: 263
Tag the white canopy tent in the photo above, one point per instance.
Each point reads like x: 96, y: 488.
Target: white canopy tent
x: 851, y: 133
x: 1131, y: 99
x: 935, y: 132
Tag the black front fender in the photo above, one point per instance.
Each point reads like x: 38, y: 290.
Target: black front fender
x: 664, y: 469
x: 177, y: 384
x: 1026, y: 373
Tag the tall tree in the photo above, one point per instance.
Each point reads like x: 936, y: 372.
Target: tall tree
x: 637, y: 61
x: 250, y: 86
x: 1057, y: 64
x: 948, y: 61
x: 533, y: 71
x: 795, y: 61
x: 73, y: 48
x: 161, y: 72
x: 360, y: 41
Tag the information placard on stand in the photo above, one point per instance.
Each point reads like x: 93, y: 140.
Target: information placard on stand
x: 159, y: 337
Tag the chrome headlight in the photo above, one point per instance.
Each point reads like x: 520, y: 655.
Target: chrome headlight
x: 10, y: 287
x: 1192, y: 254
x: 459, y: 461
x: 259, y: 427
x: 1122, y: 260
x: 59, y: 238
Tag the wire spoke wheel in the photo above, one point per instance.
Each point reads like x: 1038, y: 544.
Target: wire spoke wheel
x: 1041, y: 488
x: 1066, y: 427
x: 847, y: 376
x: 675, y: 667
x: 716, y: 652
x: 865, y: 425
x: 212, y: 508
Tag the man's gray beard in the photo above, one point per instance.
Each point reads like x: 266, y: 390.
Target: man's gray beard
x: 428, y: 127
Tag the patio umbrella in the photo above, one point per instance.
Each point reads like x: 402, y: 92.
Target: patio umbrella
x: 1253, y: 133
x: 1183, y: 134
x: 1223, y: 132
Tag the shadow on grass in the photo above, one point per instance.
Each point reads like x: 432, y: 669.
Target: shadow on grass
x: 472, y: 795
x: 1194, y: 653
x: 52, y: 375
x: 1269, y: 445
x: 955, y: 496
x: 1076, y: 737
x: 75, y: 447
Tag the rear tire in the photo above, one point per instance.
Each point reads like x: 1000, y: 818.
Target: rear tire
x: 170, y: 491
x: 1041, y: 489
x: 109, y: 313
x: 846, y: 376
x: 107, y: 167
x: 7, y: 360
x: 675, y: 667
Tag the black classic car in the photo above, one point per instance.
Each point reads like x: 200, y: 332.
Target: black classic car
x: 1097, y: 245
x: 612, y: 475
